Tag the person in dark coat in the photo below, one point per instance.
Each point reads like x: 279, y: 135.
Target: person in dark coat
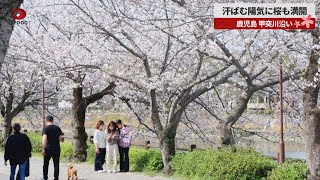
x: 17, y: 151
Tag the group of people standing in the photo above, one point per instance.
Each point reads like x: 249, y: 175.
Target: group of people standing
x: 109, y: 140
x: 18, y: 150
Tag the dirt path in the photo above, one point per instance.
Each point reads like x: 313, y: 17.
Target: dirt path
x: 85, y: 172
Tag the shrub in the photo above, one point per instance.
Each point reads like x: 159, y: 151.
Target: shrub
x: 289, y: 171
x: 91, y: 153
x: 36, y: 142
x: 231, y: 163
x: 66, y: 150
x: 145, y: 160
x: 140, y: 159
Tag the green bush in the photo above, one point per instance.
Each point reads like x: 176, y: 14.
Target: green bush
x: 140, y: 159
x: 66, y: 150
x: 91, y: 153
x: 231, y: 163
x: 289, y: 171
x: 145, y: 160
x: 36, y: 141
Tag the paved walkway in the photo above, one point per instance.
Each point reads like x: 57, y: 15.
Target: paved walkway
x: 85, y: 172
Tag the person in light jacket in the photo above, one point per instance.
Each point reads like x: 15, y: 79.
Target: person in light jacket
x: 112, y: 137
x: 123, y: 146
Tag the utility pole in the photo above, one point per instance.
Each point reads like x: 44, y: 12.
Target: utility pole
x: 43, y: 118
x: 281, y: 154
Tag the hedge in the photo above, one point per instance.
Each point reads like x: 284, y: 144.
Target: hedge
x: 289, y: 170
x: 230, y: 163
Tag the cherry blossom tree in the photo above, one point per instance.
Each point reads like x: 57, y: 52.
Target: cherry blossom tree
x: 20, y: 88
x: 158, y: 50
x: 310, y: 100
x: 160, y: 58
x: 311, y: 110
x: 257, y: 55
x: 67, y: 52
x: 6, y: 25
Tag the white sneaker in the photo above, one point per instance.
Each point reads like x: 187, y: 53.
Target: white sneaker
x: 108, y: 171
x: 114, y: 171
x: 101, y: 171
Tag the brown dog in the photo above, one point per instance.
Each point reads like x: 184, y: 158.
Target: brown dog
x: 72, y: 173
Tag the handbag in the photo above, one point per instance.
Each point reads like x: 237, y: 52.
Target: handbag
x: 27, y: 170
x: 126, y: 141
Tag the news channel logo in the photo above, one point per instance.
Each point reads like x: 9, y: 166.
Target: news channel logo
x: 18, y: 14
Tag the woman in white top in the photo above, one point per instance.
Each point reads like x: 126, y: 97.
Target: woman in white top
x: 100, y: 144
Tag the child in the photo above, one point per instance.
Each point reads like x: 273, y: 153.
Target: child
x: 112, y: 146
x: 100, y: 143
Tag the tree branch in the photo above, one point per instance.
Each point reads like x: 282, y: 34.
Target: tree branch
x: 277, y: 81
x: 208, y: 109
x: 254, y: 76
x: 20, y: 105
x: 189, y: 87
x: 234, y: 61
x: 96, y: 25
x: 254, y: 133
x: 155, y: 117
x: 196, y: 74
x: 180, y: 2
x: 203, y: 90
x: 126, y: 101
x: 201, y: 135
x: 129, y: 81
x: 96, y: 96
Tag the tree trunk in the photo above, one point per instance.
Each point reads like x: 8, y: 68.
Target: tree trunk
x: 167, y: 145
x: 226, y: 133
x: 6, y: 128
x: 79, y: 106
x: 80, y: 136
x: 167, y: 141
x: 6, y: 25
x: 312, y: 116
x: 313, y: 145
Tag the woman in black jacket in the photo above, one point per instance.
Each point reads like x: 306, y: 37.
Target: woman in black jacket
x: 17, y: 151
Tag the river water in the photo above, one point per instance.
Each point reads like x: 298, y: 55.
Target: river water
x: 292, y: 149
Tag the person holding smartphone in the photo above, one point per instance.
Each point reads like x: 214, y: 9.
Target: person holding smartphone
x: 112, y: 137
